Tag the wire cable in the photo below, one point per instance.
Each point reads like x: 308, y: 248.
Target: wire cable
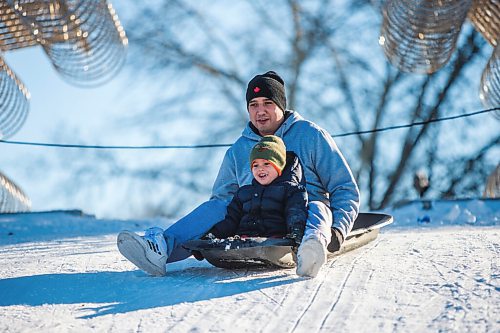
x: 418, y: 123
x: 217, y: 145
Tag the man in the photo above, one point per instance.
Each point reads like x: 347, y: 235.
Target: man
x: 332, y: 190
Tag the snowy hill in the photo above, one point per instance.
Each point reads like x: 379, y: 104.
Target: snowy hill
x: 432, y: 270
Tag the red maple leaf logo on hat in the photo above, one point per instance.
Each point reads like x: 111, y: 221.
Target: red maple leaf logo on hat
x: 256, y: 89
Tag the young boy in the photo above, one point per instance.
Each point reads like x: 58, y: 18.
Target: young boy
x: 275, y: 204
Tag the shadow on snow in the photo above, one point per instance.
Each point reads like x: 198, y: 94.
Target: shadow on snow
x: 133, y: 290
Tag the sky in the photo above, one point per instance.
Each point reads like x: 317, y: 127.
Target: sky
x: 62, y: 113
x: 55, y: 101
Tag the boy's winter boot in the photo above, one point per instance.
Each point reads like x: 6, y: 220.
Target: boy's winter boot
x: 311, y: 255
x: 148, y: 252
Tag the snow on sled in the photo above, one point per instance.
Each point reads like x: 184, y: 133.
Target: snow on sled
x: 254, y: 252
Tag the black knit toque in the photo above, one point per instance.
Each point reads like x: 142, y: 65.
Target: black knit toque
x: 269, y: 85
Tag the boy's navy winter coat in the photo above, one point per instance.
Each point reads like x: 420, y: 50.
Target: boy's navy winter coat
x: 272, y: 210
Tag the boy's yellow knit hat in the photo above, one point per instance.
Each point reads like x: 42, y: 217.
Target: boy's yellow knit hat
x: 270, y: 148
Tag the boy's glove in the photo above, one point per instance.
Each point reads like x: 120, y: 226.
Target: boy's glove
x: 296, y: 234
x: 337, y: 240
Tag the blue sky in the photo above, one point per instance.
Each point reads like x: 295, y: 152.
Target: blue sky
x: 55, y: 107
x: 54, y: 101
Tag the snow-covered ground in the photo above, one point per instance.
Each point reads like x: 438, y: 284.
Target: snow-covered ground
x: 432, y: 270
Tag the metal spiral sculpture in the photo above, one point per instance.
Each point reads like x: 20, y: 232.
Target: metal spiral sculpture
x: 490, y: 81
x: 14, y: 104
x: 13, y: 33
x: 83, y: 39
x: 12, y: 198
x: 485, y: 17
x: 419, y: 36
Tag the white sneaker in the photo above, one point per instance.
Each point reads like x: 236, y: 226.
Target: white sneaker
x: 148, y: 252
x: 311, y: 255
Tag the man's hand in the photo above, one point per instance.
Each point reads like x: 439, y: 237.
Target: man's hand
x: 337, y: 240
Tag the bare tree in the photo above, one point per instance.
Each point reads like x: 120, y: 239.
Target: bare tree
x: 202, y: 54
